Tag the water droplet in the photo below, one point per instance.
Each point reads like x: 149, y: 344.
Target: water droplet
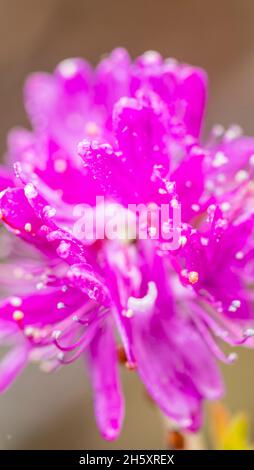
x: 60, y: 305
x: 60, y: 355
x: 49, y: 211
x: 225, y: 206
x: 235, y: 304
x: 204, y: 241
x: 174, y: 203
x: 193, y: 277
x: 218, y: 130
x: 219, y: 160
x: 18, y: 315
x: 63, y: 249
x: 241, y: 176
x: 28, y: 227
x: 195, y: 207
x: 162, y: 191
x: 128, y: 313
x: 15, y: 301
x: 183, y: 240
x: 170, y: 186
x: 92, y: 129
x: 29, y: 331
x: 40, y: 285
x: 156, y: 173
x: 151, y: 57
x: 233, y: 132
x: 30, y: 191
x: 93, y: 293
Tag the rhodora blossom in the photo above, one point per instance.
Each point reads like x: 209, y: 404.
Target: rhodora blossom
x: 131, y: 133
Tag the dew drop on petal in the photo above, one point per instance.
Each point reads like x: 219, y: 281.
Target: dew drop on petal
x: 30, y: 191
x: 18, y: 315
x: 233, y: 132
x: 183, y: 240
x: 28, y: 227
x: 193, y: 277
x: 49, y: 211
x: 40, y: 285
x: 29, y: 331
x: 128, y: 313
x: 241, y: 176
x: 60, y: 305
x: 235, y: 304
x: 249, y: 332
x: 63, y: 249
x: 225, y: 206
x: 67, y: 68
x: 195, y: 207
x: 56, y: 334
x: 220, y: 159
x: 239, y: 255
x: 93, y: 293
x: 152, y: 231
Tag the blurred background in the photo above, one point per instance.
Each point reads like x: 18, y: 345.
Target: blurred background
x: 55, y: 412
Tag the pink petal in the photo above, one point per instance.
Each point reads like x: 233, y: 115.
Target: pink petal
x: 108, y: 399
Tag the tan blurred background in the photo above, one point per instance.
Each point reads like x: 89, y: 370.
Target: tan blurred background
x: 55, y: 411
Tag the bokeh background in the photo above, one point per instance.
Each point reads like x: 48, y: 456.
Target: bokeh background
x: 55, y: 412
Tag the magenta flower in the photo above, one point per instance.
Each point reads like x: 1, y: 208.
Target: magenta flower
x: 130, y: 133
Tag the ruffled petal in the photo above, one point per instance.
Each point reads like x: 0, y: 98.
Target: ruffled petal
x: 176, y: 366
x: 108, y: 399
x: 42, y: 308
x: 58, y: 104
x: 112, y: 77
x: 211, y: 265
x: 40, y: 95
x: 182, y: 87
x: 139, y: 155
